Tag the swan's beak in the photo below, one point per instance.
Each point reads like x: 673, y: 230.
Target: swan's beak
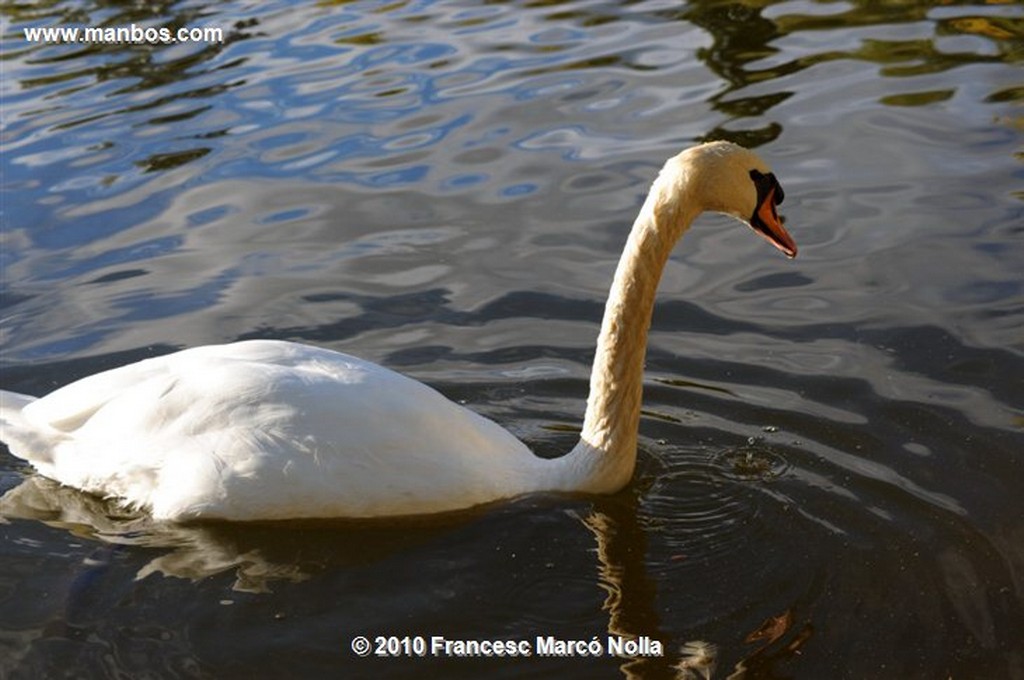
x: 765, y: 221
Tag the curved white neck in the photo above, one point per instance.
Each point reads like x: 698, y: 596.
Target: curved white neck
x: 605, y: 456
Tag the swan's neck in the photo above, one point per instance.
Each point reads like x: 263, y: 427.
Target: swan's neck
x: 606, y: 453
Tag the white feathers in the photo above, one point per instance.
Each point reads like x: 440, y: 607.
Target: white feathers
x: 263, y: 430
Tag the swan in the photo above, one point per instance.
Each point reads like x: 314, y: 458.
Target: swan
x: 273, y: 430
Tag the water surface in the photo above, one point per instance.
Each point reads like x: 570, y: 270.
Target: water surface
x: 832, y: 448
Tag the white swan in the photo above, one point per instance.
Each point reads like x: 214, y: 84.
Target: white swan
x: 264, y: 430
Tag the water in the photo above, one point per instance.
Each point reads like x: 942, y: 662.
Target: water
x: 832, y: 452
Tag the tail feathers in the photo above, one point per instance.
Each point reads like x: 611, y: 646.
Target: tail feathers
x: 12, y: 401
x: 24, y: 439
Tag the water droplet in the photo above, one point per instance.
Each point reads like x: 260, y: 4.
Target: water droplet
x: 751, y: 463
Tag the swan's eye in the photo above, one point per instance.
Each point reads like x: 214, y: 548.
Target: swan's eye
x: 765, y: 183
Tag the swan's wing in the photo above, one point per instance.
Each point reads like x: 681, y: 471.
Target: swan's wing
x: 82, y: 434
x: 34, y: 428
x: 266, y: 429
x: 68, y: 408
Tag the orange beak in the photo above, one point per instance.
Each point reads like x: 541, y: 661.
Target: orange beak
x: 766, y: 222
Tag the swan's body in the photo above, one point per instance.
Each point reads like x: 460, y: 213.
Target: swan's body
x: 270, y: 429
x: 265, y: 429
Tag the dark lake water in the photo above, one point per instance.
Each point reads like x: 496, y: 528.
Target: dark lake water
x: 831, y: 475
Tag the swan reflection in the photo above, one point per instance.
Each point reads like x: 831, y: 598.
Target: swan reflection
x: 263, y: 557
x: 191, y: 552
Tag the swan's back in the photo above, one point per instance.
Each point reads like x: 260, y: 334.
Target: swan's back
x: 264, y: 430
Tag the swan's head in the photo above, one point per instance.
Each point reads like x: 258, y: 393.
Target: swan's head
x: 726, y: 178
